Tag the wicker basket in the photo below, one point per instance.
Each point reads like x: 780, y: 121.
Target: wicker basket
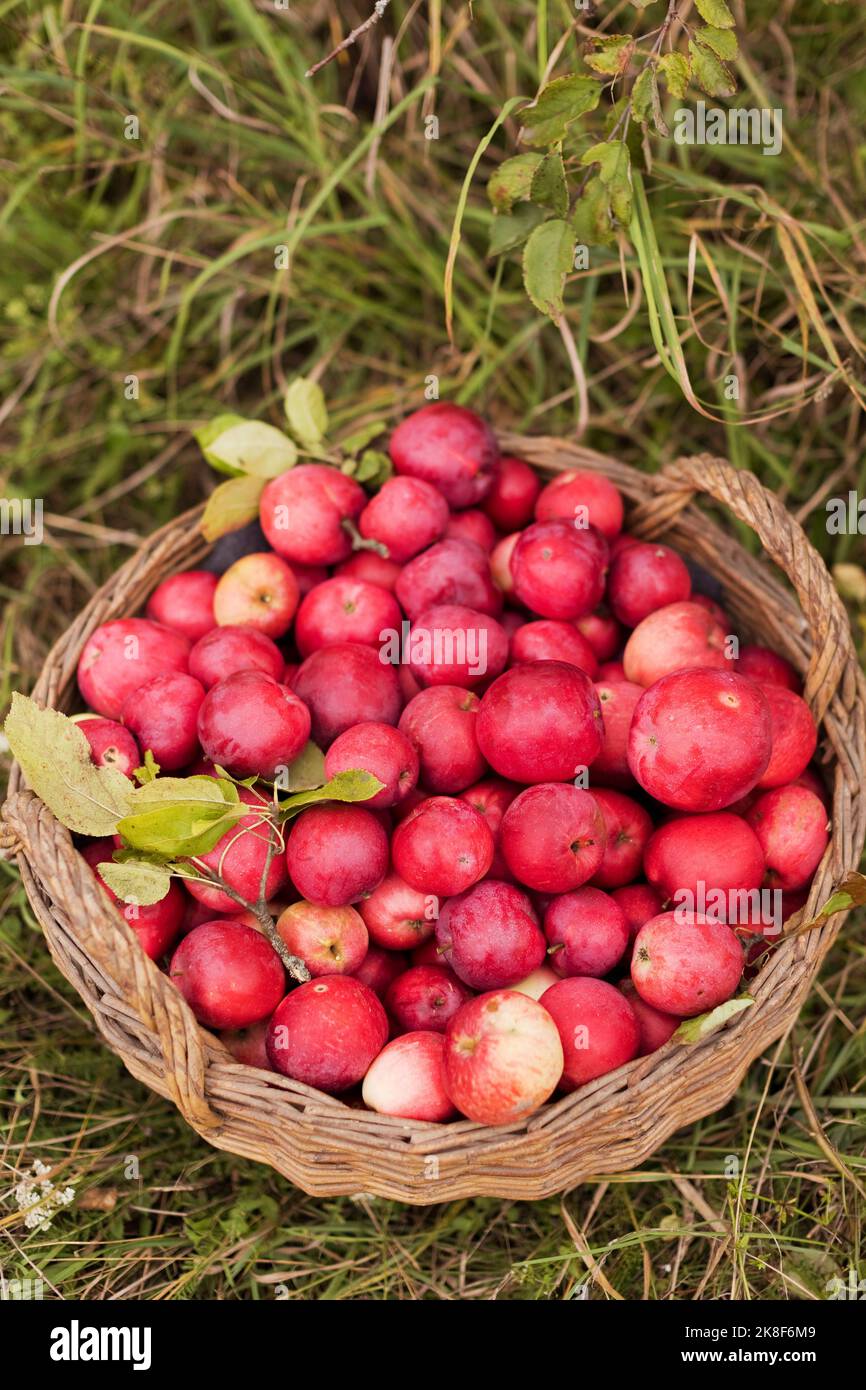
x: 327, y: 1147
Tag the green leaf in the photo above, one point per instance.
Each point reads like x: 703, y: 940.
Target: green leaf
x: 693, y: 1030
x: 179, y: 816
x: 373, y: 468
x: 149, y: 770
x: 609, y: 54
x: 205, y: 436
x: 675, y: 70
x: 723, y: 42
x: 55, y: 759
x: 140, y: 881
x: 251, y: 447
x: 230, y: 506
x: 548, y: 184
x: 352, y: 785
x: 709, y: 72
x: 359, y: 438
x: 307, y: 772
x: 641, y: 95
x: 306, y: 412
x: 559, y: 104
x: 512, y: 181
x: 614, y: 161
x: 547, y: 258
x: 592, y: 217
x: 715, y: 12
x: 510, y: 229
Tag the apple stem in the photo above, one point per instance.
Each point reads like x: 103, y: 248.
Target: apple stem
x: 360, y: 542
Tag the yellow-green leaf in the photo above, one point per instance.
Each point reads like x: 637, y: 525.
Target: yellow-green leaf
x: 547, y: 258
x: 512, y: 181
x: 609, y: 54
x: 230, y: 506
x: 137, y: 881
x: 306, y: 412
x: 674, y: 68
x: 693, y: 1030
x: 592, y: 219
x: 709, y: 72
x: 548, y: 184
x: 55, y: 758
x: 559, y: 104
x: 248, y: 447
x: 723, y: 42
x: 351, y: 785
x: 715, y: 12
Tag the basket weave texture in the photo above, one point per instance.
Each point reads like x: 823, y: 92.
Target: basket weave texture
x: 330, y: 1148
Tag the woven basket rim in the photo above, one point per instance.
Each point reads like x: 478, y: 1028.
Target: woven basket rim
x: 320, y: 1142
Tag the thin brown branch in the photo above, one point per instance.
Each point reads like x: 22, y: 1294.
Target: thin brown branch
x: 378, y: 10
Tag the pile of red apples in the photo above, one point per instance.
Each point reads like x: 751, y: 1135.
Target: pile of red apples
x: 576, y: 755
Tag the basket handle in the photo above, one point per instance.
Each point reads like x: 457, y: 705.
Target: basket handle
x: 833, y: 660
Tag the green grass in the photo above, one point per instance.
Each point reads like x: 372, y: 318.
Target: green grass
x: 154, y: 258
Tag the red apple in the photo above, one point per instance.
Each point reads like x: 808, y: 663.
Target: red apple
x: 472, y: 525
x: 345, y: 685
x: 449, y: 572
x: 336, y: 854
x: 500, y: 562
x: 791, y: 825
x: 675, y: 638
x: 490, y: 936
x: 226, y: 650
x: 327, y: 1032
x: 685, y: 966
x: 425, y: 996
x: 346, y: 610
x: 230, y: 975
x: 597, y: 1026
x: 618, y: 700
x: 587, y: 931
x: 558, y: 570
x: 643, y: 578
x: 258, y: 591
x: 156, y: 925
x: 578, y: 495
x: 122, y: 655
x: 111, y: 745
x: 453, y: 645
x: 602, y: 632
x: 382, y: 750
x: 163, y: 715
x: 252, y: 726
x: 549, y: 640
x: 639, y: 902
x: 700, y: 739
x: 794, y: 734
x: 442, y: 847
x: 450, y: 447
x: 239, y: 859
x: 552, y: 837
x: 691, y: 858
x: 303, y: 510
x: 247, y: 1045
x: 184, y: 602
x: 767, y: 668
x: 540, y: 721
x: 627, y: 828
x: 511, y: 499
x: 502, y: 1057
x: 379, y: 969
x: 398, y: 917
x: 372, y: 568
x: 536, y: 982
x: 440, y: 723
x: 405, y: 515
x: 406, y: 1079
x: 655, y: 1027
x: 329, y: 940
